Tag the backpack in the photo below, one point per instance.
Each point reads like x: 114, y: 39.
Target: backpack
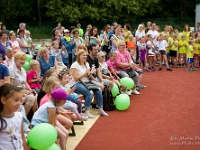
x: 110, y: 42
x: 108, y: 102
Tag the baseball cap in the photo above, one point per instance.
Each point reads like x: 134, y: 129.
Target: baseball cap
x: 66, y: 30
x: 3, y: 58
x: 59, y: 94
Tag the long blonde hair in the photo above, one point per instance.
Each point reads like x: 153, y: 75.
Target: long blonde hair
x: 49, y: 84
x: 78, y: 54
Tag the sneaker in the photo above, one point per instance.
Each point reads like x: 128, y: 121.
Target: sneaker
x: 89, y: 115
x: 83, y: 118
x: 128, y: 92
x: 160, y: 69
x: 137, y: 88
x: 102, y: 113
x: 189, y: 69
x: 194, y: 69
x: 169, y: 69
x: 135, y: 92
x: 141, y: 86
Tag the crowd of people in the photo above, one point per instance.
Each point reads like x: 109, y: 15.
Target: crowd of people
x: 51, y: 90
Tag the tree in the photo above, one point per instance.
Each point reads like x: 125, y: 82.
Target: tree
x: 99, y: 10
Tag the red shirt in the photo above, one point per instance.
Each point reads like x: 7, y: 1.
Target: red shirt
x: 32, y: 75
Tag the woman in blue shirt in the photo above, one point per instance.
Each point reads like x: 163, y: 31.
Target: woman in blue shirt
x: 46, y: 61
x: 4, y: 72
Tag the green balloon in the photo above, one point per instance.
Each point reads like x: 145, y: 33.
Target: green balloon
x: 28, y: 58
x: 122, y: 102
x: 54, y: 147
x: 37, y: 47
x: 26, y: 66
x: 115, y: 90
x: 42, y: 136
x: 127, y: 82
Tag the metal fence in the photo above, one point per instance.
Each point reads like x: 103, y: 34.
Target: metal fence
x: 44, y: 31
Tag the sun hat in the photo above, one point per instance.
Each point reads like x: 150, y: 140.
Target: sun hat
x: 66, y: 30
x: 59, y: 94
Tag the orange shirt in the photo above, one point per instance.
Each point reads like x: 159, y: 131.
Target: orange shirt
x: 131, y: 44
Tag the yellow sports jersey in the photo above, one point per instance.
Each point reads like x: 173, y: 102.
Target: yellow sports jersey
x: 182, y: 46
x: 170, y: 43
x: 165, y: 33
x: 190, y: 51
x: 127, y: 39
x: 179, y: 36
x: 187, y: 35
x: 197, y: 48
x: 175, y: 45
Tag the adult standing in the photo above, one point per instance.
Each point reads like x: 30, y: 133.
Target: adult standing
x: 22, y: 42
x: 139, y: 34
x: 77, y: 40
x: 89, y: 27
x: 148, y: 27
x: 22, y: 26
x: 46, y: 61
x: 153, y: 33
x: 80, y: 30
x: 116, y: 37
x: 93, y: 37
x: 80, y: 70
x: 105, y: 40
x: 186, y: 32
x: 3, y: 43
x: 3, y: 28
x: 58, y: 26
x: 14, y: 43
x: 127, y: 33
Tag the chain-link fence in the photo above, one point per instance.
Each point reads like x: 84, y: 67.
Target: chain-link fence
x: 44, y: 31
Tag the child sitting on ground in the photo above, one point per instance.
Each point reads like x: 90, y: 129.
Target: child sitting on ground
x: 33, y: 78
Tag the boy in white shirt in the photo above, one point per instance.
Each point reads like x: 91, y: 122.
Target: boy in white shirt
x: 162, y: 44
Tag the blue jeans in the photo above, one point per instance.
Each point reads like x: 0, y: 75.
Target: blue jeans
x: 81, y: 89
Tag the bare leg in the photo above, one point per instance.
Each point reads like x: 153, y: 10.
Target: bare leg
x: 66, y: 122
x: 63, y: 135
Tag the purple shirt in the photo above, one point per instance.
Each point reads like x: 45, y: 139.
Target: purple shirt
x: 2, y: 48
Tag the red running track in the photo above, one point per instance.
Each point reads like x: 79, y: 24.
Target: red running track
x: 166, y: 116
